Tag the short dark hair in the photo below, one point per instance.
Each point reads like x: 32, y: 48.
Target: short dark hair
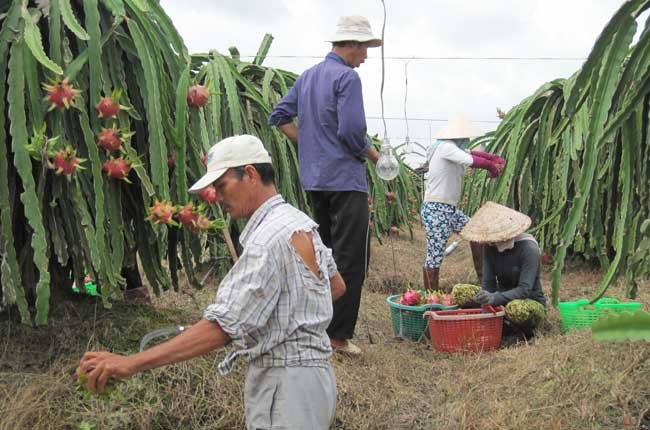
x: 344, y: 43
x: 267, y: 174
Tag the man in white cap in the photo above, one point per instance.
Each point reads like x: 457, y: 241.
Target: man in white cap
x: 447, y: 161
x: 332, y: 149
x: 273, y: 306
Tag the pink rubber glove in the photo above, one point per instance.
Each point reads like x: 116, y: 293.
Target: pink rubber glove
x: 484, y: 163
x: 492, y: 157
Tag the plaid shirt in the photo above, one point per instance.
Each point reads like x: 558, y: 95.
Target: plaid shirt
x: 274, y: 308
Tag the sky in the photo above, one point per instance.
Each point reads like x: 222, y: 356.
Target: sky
x: 438, y: 89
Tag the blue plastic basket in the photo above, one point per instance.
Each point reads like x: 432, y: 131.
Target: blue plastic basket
x: 409, y: 321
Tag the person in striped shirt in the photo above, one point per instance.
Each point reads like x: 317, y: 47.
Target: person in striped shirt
x: 273, y: 307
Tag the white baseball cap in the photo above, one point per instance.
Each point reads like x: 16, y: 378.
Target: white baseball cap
x: 231, y: 152
x: 354, y: 28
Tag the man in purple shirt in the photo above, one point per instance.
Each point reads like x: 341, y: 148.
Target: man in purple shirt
x: 332, y: 151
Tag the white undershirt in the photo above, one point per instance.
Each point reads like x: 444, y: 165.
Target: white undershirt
x: 444, y: 181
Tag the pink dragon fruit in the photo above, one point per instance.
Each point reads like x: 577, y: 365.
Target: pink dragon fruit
x: 432, y: 299
x: 447, y: 300
x: 411, y: 298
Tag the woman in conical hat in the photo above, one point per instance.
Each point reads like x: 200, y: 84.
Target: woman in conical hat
x: 511, y: 263
x: 447, y: 161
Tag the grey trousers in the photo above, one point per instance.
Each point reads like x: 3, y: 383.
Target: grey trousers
x: 289, y: 398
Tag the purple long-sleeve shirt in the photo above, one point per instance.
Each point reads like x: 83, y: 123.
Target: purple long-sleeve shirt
x: 332, y: 141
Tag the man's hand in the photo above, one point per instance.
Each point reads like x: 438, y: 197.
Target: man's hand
x: 99, y: 366
x: 372, y: 154
x: 199, y: 339
x: 337, y: 284
x: 290, y: 130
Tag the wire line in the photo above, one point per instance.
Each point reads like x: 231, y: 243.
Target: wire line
x: 381, y: 91
x: 436, y: 58
x: 496, y: 121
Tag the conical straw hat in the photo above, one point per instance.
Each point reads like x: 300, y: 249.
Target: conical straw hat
x: 458, y: 127
x: 495, y: 223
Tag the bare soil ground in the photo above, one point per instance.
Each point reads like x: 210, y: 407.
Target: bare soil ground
x: 554, y: 381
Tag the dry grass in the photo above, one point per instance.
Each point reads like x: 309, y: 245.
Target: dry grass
x: 398, y: 261
x: 555, y: 381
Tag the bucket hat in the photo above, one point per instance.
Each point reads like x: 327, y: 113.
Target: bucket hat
x: 354, y: 28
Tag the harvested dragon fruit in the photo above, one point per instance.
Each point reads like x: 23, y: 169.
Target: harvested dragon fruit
x: 432, y: 299
x: 410, y: 298
x: 447, y: 300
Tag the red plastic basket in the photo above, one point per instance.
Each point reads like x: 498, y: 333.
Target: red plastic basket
x: 466, y: 330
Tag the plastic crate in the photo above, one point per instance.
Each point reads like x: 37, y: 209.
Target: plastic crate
x: 466, y: 330
x: 581, y: 315
x: 409, y: 321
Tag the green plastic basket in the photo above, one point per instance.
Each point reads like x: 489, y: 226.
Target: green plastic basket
x: 409, y: 321
x: 580, y: 314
